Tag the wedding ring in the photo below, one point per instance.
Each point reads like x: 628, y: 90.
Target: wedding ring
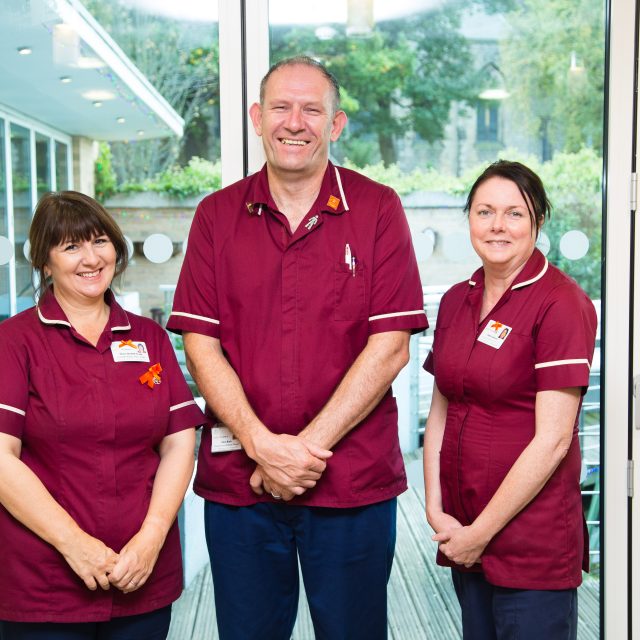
x: 276, y: 496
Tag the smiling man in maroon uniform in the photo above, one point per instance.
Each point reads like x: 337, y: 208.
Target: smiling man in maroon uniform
x: 297, y: 298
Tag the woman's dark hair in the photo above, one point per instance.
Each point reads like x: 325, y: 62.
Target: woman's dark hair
x: 70, y: 216
x: 528, y: 183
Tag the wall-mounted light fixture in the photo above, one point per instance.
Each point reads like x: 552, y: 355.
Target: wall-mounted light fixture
x: 359, y: 18
x: 66, y: 45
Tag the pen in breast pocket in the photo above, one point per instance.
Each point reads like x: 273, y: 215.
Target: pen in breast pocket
x: 347, y: 255
x: 353, y: 266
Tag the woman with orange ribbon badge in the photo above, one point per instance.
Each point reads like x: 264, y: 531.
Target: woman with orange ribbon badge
x: 96, y: 444
x: 511, y: 357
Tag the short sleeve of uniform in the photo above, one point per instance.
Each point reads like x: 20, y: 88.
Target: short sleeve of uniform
x: 396, y: 291
x: 184, y: 412
x: 564, y: 340
x: 14, y: 383
x: 195, y: 304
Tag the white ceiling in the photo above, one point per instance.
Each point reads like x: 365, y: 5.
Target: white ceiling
x: 31, y: 84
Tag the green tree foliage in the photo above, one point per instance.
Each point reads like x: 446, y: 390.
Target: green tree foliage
x: 553, y: 61
x: 181, y: 62
x: 402, y: 78
x: 197, y: 178
x: 105, y: 179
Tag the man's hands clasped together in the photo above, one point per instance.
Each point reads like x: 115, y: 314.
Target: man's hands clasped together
x: 287, y: 465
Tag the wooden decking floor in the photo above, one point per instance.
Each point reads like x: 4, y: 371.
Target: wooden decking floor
x: 422, y: 603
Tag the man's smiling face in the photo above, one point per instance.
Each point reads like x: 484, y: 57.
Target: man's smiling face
x: 297, y: 120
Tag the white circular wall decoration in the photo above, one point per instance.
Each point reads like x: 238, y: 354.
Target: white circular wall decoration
x: 158, y: 248
x: 423, y: 243
x: 457, y: 246
x: 543, y: 243
x: 574, y: 245
x: 130, y: 248
x: 6, y: 250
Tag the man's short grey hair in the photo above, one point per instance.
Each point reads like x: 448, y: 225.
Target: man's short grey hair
x: 308, y: 62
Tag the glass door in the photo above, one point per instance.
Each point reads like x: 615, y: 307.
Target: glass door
x: 435, y: 92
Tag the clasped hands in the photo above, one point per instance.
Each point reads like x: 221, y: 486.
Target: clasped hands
x: 463, y: 545
x: 100, y: 566
x: 287, y: 465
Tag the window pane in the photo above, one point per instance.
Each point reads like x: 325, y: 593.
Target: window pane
x: 22, y: 205
x: 43, y: 168
x: 5, y: 306
x: 435, y: 92
x: 152, y: 186
x: 62, y: 166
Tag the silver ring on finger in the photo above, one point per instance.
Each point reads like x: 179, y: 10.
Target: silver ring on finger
x: 276, y: 496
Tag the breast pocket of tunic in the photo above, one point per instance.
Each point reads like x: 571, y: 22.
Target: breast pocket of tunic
x: 350, y: 293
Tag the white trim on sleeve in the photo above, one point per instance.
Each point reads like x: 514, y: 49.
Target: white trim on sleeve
x: 182, y: 405
x: 195, y: 317
x: 558, y: 363
x: 396, y: 315
x: 14, y: 409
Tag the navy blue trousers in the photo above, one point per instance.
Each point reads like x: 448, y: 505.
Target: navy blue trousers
x: 498, y: 613
x: 345, y: 559
x: 145, y: 626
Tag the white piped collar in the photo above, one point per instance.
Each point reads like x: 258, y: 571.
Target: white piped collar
x: 50, y: 312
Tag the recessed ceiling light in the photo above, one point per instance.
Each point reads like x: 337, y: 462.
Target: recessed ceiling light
x: 120, y: 120
x: 98, y: 95
x: 65, y: 79
x: 140, y: 132
x: 25, y: 51
x: 97, y: 103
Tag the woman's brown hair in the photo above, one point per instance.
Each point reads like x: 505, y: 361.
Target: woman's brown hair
x: 70, y: 216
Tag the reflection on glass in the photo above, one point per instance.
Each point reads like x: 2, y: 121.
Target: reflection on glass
x: 43, y: 165
x: 436, y: 91
x: 62, y: 166
x: 22, y: 206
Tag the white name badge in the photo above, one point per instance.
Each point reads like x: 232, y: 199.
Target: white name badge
x: 129, y: 351
x: 223, y: 440
x: 494, y: 334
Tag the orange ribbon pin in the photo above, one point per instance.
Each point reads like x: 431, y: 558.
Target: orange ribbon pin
x: 127, y: 343
x: 152, y: 376
x: 333, y: 202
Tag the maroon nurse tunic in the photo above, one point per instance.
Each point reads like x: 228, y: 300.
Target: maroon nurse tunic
x: 90, y: 431
x: 539, y: 336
